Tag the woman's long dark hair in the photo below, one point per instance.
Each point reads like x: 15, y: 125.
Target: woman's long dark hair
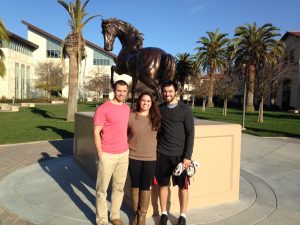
x: 154, y: 113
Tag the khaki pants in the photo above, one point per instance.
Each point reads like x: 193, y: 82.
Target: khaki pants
x: 115, y: 166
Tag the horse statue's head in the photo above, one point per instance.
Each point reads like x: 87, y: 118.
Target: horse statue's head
x: 109, y: 31
x: 129, y: 36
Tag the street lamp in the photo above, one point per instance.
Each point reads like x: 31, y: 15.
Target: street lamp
x: 244, y: 96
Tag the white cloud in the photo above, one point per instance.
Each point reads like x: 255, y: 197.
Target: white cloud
x: 195, y: 9
x: 196, y: 5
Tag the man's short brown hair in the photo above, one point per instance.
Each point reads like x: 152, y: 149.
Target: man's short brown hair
x: 121, y: 83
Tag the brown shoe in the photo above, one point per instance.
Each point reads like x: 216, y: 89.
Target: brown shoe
x: 117, y: 222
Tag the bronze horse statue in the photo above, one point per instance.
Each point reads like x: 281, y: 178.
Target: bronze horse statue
x: 149, y: 65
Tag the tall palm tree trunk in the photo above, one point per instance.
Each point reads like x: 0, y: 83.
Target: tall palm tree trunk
x: 73, y: 87
x: 210, y: 102
x: 250, y: 94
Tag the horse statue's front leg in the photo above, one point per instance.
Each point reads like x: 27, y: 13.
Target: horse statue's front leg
x: 134, y: 82
x: 159, y: 96
x: 112, y: 69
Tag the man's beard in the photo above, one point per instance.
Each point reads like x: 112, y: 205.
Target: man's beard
x: 168, y: 101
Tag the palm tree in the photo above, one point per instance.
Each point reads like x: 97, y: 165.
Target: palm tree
x: 3, y: 38
x: 74, y: 48
x: 184, y: 69
x: 252, y: 47
x: 211, y: 57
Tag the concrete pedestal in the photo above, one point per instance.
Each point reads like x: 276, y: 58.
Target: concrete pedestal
x: 217, y: 148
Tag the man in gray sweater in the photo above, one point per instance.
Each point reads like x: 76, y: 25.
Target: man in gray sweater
x: 175, y: 145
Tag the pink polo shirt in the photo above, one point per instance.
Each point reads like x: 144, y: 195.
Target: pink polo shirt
x: 114, y: 119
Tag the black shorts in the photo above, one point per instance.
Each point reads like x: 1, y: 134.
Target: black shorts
x: 164, y: 169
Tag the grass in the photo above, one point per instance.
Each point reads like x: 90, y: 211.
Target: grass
x: 275, y: 123
x: 47, y: 122
x: 44, y: 122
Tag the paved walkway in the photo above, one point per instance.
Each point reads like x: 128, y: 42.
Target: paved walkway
x: 36, y: 190
x: 17, y: 156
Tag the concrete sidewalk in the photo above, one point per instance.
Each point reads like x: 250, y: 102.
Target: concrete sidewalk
x: 37, y: 190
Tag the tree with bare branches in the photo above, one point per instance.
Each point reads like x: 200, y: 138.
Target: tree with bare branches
x: 49, y: 77
x: 200, y: 90
x: 267, y: 79
x: 98, y: 84
x: 225, y: 88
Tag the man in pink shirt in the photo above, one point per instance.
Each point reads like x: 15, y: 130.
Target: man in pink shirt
x: 110, y: 137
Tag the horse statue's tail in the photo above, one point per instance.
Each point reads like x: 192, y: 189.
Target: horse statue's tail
x: 167, y: 68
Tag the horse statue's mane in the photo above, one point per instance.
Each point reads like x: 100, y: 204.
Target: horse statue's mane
x: 132, y: 32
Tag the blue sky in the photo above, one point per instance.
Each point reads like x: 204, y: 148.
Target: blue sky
x: 173, y: 25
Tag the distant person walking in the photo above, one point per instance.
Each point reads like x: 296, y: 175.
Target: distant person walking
x: 175, y: 145
x: 142, y: 131
x: 110, y: 137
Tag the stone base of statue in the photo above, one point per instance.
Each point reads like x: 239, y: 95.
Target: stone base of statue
x: 217, y: 148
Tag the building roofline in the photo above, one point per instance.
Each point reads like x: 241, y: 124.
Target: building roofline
x: 32, y: 27
x: 22, y: 40
x: 294, y: 33
x: 88, y: 43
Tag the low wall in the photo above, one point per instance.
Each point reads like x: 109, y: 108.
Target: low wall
x: 57, y: 102
x: 25, y: 104
x: 217, y: 148
x: 9, y: 108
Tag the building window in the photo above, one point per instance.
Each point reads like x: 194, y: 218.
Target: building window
x: 28, y: 82
x: 286, y: 58
x: 286, y: 94
x: 53, y: 49
x: 100, y: 59
x: 19, y: 48
x: 102, y: 62
x: 292, y: 56
x: 17, y: 75
x: 22, y: 81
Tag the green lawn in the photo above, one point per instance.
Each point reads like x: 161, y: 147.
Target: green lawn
x: 47, y: 122
x: 44, y: 122
x: 275, y: 123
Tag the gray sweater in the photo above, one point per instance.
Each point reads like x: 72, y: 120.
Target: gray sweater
x: 176, y: 137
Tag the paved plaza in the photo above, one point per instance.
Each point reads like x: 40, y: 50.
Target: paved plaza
x: 41, y: 184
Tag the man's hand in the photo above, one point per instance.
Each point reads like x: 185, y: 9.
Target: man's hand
x: 100, y: 154
x: 186, y: 163
x: 97, y: 140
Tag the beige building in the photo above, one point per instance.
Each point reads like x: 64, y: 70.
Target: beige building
x: 19, y: 63
x: 287, y: 95
x: 22, y: 56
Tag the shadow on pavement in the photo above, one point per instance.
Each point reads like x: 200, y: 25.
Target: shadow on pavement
x: 71, y: 183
